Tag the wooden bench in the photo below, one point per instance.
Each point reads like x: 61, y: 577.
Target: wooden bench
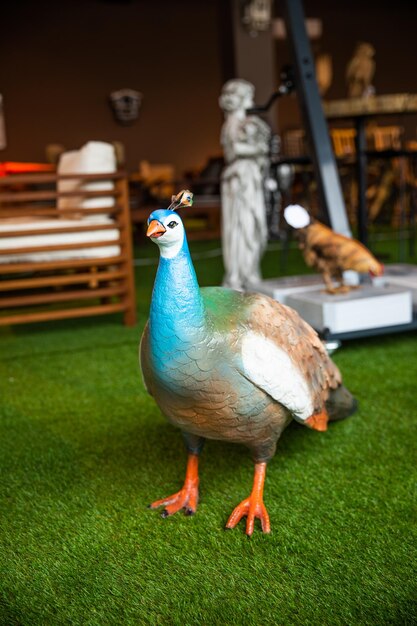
x: 44, y: 278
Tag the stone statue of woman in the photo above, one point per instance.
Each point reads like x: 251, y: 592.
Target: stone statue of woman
x: 245, y: 140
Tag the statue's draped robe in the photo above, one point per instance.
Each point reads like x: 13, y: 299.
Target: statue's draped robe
x: 244, y: 226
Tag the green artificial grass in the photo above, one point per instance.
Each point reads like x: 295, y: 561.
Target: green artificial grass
x: 84, y: 449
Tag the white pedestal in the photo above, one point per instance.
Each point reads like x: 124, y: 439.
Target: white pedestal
x: 402, y: 275
x: 368, y: 307
x: 361, y: 309
x: 280, y: 288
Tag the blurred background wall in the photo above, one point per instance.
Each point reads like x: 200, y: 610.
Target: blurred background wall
x: 59, y: 61
x: 389, y: 26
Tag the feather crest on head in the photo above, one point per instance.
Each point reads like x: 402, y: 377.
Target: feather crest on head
x: 182, y: 199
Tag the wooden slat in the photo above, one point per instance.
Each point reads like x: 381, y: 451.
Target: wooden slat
x: 60, y: 279
x: 77, y: 228
x: 75, y: 212
x: 64, y: 296
x: 385, y: 104
x: 39, y: 178
x: 60, y: 247
x: 26, y: 318
x: 129, y: 316
x: 15, y: 268
x: 112, y: 277
x: 32, y: 196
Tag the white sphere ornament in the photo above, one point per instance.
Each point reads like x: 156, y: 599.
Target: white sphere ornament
x: 296, y: 216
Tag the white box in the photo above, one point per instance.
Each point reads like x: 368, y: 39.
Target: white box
x: 360, y: 309
x: 402, y: 275
x: 280, y: 288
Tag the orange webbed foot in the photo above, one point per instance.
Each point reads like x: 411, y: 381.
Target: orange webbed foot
x: 339, y: 289
x: 253, y: 507
x: 187, y: 497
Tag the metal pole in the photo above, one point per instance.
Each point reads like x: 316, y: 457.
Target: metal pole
x: 361, y: 168
x: 324, y: 162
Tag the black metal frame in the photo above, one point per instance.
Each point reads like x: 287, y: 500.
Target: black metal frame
x: 324, y: 161
x: 302, y: 77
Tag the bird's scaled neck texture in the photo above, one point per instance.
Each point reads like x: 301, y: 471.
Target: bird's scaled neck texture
x: 177, y: 314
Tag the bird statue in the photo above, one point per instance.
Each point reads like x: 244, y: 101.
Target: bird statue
x: 360, y: 71
x: 226, y: 365
x: 329, y: 252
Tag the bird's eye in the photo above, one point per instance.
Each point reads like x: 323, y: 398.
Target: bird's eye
x: 172, y: 224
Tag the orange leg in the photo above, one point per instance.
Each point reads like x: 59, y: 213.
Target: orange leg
x: 253, y: 507
x: 187, y: 497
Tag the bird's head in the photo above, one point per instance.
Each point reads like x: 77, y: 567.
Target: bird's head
x: 376, y: 268
x: 165, y: 227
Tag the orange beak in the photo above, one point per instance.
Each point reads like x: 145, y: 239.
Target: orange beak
x: 155, y: 229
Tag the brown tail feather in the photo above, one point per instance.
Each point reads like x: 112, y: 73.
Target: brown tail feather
x: 340, y: 404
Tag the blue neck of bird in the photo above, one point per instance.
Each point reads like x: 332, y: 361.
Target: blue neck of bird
x: 177, y: 314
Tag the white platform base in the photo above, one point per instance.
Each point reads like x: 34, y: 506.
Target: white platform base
x: 281, y: 288
x: 361, y: 309
x: 402, y: 275
x: 367, y: 307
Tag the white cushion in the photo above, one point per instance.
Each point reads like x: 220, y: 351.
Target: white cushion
x: 22, y: 224
x: 95, y: 157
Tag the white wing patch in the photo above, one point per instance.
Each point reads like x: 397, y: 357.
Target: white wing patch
x: 271, y: 369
